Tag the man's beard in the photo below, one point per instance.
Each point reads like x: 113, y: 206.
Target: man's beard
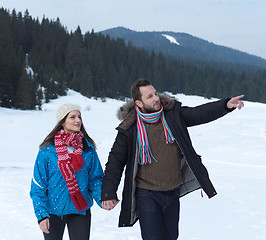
x: 149, y: 109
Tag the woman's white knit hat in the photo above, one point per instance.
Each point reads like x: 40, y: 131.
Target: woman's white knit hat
x: 64, y: 109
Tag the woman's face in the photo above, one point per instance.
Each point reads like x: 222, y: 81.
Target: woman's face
x: 73, y: 122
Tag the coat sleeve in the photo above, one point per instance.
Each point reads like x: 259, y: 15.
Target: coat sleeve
x: 205, y: 113
x: 95, y: 178
x: 114, y: 167
x: 38, y: 192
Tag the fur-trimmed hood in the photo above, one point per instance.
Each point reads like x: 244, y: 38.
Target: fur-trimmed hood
x: 127, y: 113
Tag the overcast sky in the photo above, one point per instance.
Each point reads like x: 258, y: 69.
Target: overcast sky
x: 240, y: 24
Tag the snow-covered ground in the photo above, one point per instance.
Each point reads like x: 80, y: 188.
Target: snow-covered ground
x: 233, y: 148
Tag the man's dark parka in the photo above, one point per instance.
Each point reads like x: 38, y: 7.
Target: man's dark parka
x: 124, y: 152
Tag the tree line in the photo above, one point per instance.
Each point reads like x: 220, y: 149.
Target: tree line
x: 41, y: 60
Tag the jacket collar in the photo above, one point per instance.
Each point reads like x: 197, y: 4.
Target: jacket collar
x: 127, y: 113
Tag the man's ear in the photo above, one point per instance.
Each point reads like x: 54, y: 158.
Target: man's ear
x: 139, y: 103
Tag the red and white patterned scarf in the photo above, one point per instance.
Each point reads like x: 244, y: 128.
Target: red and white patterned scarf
x: 70, y: 163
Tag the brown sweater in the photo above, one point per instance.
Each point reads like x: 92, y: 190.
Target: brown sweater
x: 165, y: 174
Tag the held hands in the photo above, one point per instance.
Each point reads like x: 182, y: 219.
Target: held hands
x: 235, y: 102
x: 109, y: 204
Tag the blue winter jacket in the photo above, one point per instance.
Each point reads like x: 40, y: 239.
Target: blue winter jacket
x: 49, y: 191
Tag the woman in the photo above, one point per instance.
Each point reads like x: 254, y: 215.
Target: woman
x: 67, y: 175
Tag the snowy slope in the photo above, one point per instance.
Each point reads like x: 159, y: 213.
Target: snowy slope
x: 233, y: 149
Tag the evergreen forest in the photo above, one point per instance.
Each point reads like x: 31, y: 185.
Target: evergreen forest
x: 41, y: 60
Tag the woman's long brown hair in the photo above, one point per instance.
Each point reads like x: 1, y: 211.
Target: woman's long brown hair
x: 50, y: 137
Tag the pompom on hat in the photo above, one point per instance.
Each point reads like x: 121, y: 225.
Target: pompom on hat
x: 64, y: 109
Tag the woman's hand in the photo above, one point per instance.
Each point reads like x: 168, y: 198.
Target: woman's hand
x: 45, y: 225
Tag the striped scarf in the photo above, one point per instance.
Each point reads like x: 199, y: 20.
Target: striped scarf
x: 145, y: 155
x: 70, y: 163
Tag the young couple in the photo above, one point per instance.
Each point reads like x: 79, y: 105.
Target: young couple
x: 152, y: 145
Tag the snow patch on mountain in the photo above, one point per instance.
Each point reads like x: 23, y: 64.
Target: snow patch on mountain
x: 171, y: 39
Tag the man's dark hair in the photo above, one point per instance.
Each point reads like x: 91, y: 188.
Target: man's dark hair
x: 135, y: 92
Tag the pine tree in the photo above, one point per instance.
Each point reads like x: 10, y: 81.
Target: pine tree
x: 86, y: 82
x: 24, y: 92
x: 75, y: 59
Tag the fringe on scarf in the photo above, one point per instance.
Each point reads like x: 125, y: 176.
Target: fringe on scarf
x: 145, y: 154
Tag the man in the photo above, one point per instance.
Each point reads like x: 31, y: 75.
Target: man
x: 161, y: 164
